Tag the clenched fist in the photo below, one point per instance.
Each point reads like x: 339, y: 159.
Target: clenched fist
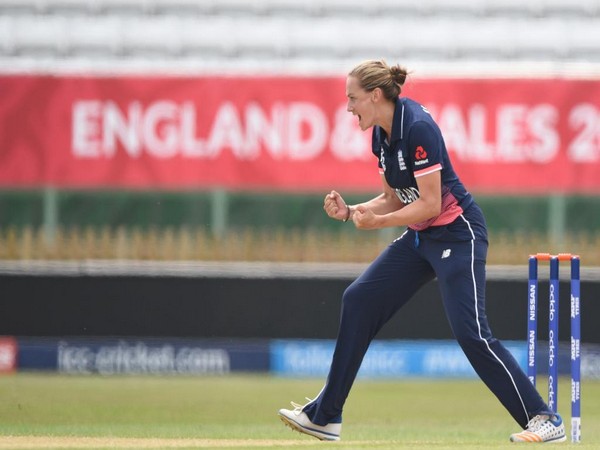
x: 335, y: 206
x: 364, y: 218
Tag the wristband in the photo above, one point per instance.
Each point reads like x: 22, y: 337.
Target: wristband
x: 347, y: 215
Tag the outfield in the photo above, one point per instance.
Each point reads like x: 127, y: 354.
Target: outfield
x: 92, y: 412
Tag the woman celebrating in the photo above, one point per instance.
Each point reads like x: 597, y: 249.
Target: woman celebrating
x: 446, y: 238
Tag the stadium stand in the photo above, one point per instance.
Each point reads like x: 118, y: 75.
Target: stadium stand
x: 292, y: 36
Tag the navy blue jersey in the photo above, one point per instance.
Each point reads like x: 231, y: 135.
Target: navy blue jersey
x: 417, y: 148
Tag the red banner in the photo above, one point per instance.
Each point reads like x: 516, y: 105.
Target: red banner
x: 8, y: 354
x: 286, y: 133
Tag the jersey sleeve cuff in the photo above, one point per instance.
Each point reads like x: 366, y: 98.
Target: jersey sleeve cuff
x: 428, y: 170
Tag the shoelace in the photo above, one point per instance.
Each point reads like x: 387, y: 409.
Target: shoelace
x: 298, y: 407
x: 536, y: 423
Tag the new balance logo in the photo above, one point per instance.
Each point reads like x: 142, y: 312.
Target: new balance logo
x: 446, y: 253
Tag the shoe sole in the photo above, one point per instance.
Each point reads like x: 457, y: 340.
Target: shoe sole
x: 527, y: 441
x: 314, y: 433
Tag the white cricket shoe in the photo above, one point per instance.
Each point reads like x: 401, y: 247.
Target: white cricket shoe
x: 542, y: 428
x: 297, y: 420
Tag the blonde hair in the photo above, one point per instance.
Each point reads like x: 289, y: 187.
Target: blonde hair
x: 374, y: 74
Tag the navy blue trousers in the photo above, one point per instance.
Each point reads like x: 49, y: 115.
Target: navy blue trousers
x: 392, y: 279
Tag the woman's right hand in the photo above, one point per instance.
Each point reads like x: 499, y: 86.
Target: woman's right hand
x: 335, y: 206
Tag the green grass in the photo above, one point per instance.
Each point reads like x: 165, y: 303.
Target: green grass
x: 240, y: 412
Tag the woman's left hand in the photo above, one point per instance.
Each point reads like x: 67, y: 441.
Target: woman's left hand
x: 364, y: 218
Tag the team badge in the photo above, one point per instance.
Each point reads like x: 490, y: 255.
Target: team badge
x: 420, y: 153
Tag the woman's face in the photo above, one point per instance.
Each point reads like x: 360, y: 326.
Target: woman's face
x: 360, y: 103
